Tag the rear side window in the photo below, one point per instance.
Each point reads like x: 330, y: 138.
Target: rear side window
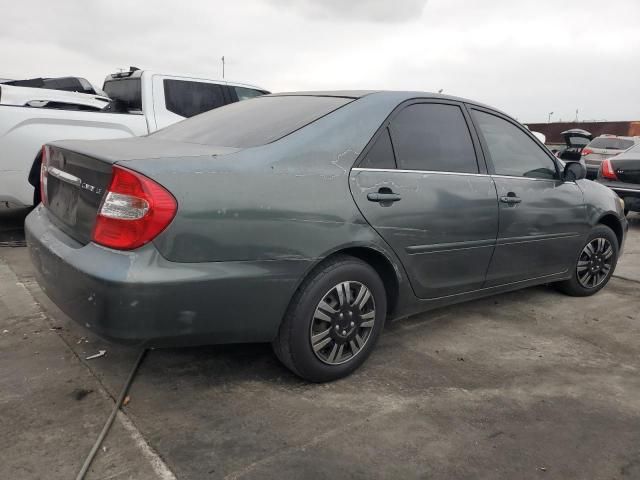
x: 253, y: 122
x: 244, y: 93
x: 188, y: 99
x: 381, y: 153
x: 513, y: 153
x: 127, y: 92
x: 611, y: 143
x: 433, y: 136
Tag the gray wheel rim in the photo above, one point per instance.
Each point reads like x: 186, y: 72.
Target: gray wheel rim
x: 595, y: 263
x: 342, y: 323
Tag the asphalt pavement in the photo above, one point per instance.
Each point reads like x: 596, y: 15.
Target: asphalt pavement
x: 530, y: 384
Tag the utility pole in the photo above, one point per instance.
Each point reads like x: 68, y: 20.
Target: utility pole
x: 223, y: 67
x: 549, y: 118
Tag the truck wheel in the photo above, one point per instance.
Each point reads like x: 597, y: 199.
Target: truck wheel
x: 333, y: 321
x: 595, y: 264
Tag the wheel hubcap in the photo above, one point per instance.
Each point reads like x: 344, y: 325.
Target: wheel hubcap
x: 342, y: 323
x: 595, y: 262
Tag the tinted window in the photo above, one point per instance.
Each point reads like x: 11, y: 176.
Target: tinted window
x: 611, y: 143
x: 512, y: 151
x: 381, y: 153
x: 578, y: 141
x: 247, y: 93
x: 188, y: 99
x: 432, y: 136
x: 252, y: 122
x: 126, y: 92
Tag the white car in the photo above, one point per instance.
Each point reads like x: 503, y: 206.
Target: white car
x: 140, y: 102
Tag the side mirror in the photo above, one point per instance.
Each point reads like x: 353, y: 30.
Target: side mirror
x: 574, y: 171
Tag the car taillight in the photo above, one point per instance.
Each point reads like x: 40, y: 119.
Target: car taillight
x: 43, y: 175
x: 606, y: 170
x: 134, y: 211
x: 586, y: 151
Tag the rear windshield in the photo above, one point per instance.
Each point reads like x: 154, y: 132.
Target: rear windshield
x: 252, y: 122
x: 611, y: 143
x: 126, y: 91
x: 578, y: 141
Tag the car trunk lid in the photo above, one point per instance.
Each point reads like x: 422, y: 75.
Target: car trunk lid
x: 576, y: 137
x: 627, y: 170
x: 78, y: 174
x: 74, y: 188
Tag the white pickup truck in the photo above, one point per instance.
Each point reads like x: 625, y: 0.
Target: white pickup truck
x: 139, y: 102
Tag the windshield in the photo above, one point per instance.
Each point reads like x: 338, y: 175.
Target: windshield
x: 126, y: 92
x: 611, y: 143
x: 253, y: 122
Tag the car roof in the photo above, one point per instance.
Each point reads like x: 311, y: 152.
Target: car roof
x: 401, y: 95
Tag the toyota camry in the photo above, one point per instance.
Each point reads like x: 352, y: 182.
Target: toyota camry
x: 309, y: 219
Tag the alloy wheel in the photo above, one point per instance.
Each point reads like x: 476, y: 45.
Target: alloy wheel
x: 342, y: 322
x: 595, y: 262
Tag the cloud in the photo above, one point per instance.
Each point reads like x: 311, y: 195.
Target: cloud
x: 526, y: 58
x: 383, y: 11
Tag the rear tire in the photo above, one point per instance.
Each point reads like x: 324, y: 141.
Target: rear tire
x: 334, y: 320
x: 594, y: 265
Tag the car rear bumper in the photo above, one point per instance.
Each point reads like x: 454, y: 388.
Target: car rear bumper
x: 629, y: 192
x: 140, y: 296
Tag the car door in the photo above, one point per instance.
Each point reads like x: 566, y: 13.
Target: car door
x: 542, y: 218
x: 421, y: 186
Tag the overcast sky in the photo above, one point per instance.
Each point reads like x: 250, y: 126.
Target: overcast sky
x: 525, y: 57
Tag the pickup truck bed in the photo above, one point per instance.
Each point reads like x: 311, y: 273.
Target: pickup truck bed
x: 141, y: 102
x: 23, y: 131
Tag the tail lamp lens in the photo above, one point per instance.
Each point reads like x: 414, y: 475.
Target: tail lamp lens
x: 607, y: 170
x: 586, y: 151
x: 134, y: 211
x: 44, y: 164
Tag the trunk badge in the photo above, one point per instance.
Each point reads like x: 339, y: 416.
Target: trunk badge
x: 91, y: 188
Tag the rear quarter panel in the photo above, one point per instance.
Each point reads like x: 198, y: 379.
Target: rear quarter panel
x: 286, y: 200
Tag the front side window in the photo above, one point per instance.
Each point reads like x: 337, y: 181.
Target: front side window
x: 187, y: 98
x: 513, y: 152
x: 433, y: 136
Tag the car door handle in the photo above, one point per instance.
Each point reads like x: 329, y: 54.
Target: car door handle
x: 510, y: 199
x: 383, y: 197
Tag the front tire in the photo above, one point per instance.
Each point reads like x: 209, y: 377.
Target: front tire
x: 334, y: 320
x: 595, y: 264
